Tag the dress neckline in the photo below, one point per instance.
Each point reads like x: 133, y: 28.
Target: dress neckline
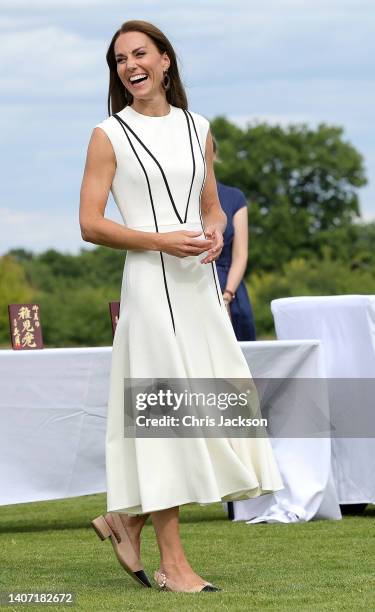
x: 152, y: 117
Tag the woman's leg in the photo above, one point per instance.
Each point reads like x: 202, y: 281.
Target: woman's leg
x: 173, y: 561
x: 134, y: 526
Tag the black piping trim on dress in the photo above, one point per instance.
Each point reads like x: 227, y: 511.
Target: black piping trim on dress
x: 154, y: 215
x: 204, y: 166
x: 193, y: 158
x: 200, y: 212
x: 161, y: 169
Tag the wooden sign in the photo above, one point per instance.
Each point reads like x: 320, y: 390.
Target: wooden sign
x: 114, y: 311
x: 25, y: 327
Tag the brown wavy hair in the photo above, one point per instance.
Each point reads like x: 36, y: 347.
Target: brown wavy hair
x: 117, y: 99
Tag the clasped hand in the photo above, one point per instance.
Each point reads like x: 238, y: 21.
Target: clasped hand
x: 185, y: 243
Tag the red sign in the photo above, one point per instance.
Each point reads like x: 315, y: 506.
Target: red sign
x: 25, y: 327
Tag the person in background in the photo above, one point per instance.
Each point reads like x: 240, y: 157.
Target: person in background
x: 231, y: 264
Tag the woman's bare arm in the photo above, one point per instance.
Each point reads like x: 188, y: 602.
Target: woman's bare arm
x: 214, y: 218
x: 239, y: 249
x: 96, y: 184
x: 212, y: 213
x: 99, y: 171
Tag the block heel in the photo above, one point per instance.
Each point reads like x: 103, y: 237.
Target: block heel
x: 122, y: 546
x: 101, y: 528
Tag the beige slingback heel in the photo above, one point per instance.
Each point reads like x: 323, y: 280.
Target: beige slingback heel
x: 166, y: 584
x: 122, y: 546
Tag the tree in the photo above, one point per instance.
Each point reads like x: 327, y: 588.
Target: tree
x: 299, y: 182
x: 14, y: 289
x: 77, y: 316
x: 298, y: 277
x: 352, y: 244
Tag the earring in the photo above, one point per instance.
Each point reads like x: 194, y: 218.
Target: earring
x: 166, y: 80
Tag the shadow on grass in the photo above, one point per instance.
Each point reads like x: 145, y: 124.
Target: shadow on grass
x: 77, y: 513
x: 30, y: 526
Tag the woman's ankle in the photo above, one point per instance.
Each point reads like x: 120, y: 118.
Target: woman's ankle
x: 134, y: 524
x: 175, y: 567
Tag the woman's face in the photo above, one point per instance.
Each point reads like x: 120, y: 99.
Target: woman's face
x: 137, y: 54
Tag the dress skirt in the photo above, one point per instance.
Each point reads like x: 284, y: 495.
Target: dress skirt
x: 194, y: 339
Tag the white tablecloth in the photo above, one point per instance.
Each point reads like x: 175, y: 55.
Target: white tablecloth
x: 346, y: 326
x: 305, y: 463
x: 53, y: 416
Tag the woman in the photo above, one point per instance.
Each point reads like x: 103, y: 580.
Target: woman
x: 157, y: 158
x: 231, y: 264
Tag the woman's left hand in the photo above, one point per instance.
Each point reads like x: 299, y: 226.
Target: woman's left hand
x: 213, y: 233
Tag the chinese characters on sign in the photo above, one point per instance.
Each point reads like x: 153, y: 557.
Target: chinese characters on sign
x: 25, y: 328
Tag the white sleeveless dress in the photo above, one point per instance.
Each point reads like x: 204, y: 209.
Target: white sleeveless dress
x: 172, y: 324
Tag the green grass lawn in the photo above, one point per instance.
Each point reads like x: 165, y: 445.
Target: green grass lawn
x: 321, y: 565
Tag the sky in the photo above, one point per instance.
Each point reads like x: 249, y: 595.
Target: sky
x: 279, y: 61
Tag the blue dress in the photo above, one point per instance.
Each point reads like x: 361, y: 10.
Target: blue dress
x: 231, y: 200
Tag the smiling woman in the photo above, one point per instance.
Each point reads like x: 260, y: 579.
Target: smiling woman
x: 142, y: 52
x: 136, y: 78
x: 157, y: 158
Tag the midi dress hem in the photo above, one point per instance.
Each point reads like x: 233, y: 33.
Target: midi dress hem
x: 256, y: 491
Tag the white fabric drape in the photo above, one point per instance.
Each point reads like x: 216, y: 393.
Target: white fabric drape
x: 305, y: 463
x: 53, y: 424
x: 346, y: 326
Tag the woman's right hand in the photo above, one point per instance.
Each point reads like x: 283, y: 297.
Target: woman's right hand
x: 184, y: 243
